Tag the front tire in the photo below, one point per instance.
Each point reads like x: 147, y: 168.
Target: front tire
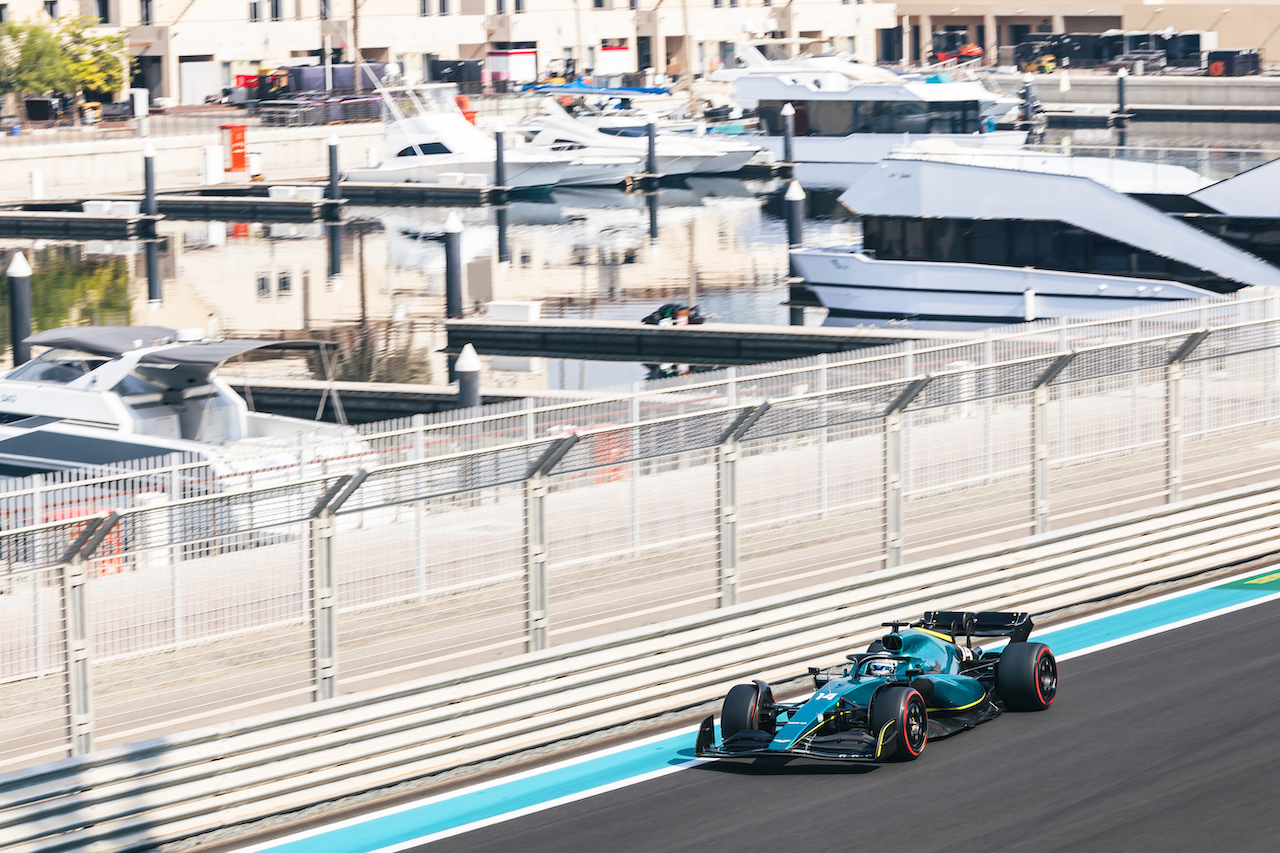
x: 1027, y: 677
x: 903, y: 706
x: 741, y: 710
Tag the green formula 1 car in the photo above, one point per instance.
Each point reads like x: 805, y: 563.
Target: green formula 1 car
x: 921, y: 680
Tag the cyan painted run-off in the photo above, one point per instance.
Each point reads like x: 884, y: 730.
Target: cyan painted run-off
x: 610, y: 769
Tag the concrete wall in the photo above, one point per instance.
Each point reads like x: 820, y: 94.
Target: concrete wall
x: 78, y: 169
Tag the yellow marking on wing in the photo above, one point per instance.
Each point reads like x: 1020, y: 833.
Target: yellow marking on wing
x: 958, y: 707
x: 944, y: 637
x: 1265, y: 578
x: 880, y: 741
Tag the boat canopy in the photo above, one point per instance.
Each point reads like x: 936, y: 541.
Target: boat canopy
x: 114, y: 341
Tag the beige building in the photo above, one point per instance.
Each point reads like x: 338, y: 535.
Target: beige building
x: 189, y: 49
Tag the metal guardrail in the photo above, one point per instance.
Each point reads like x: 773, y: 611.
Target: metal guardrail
x: 133, y: 797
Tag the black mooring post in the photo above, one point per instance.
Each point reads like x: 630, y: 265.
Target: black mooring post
x: 794, y: 201
x: 335, y: 191
x: 155, y: 287
x: 334, y: 232
x: 20, y: 308
x: 467, y: 369
x: 651, y: 199
x: 651, y: 164
x: 500, y: 160
x: 788, y: 133
x: 501, y: 214
x: 453, y: 266
x: 1121, y: 75
x: 150, y: 206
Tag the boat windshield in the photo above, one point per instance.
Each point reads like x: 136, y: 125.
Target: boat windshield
x: 57, y: 365
x: 61, y: 366
x: 424, y: 148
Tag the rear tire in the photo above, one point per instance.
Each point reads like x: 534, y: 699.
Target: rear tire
x: 1027, y: 677
x: 905, y: 707
x: 741, y: 710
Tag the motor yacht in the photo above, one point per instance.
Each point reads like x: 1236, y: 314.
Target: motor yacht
x: 677, y: 154
x: 948, y: 240
x: 442, y: 147
x: 99, y: 395
x: 849, y: 116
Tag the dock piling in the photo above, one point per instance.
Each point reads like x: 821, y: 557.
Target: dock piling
x: 795, y: 199
x: 335, y: 191
x: 149, y: 206
x: 788, y: 132
x: 467, y: 367
x: 20, y: 307
x: 453, y: 266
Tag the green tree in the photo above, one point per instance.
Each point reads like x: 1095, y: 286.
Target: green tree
x: 66, y: 56
x: 32, y: 59
x: 99, y: 61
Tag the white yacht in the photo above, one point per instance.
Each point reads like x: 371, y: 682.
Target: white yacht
x: 107, y: 394
x: 678, y: 154
x: 947, y: 241
x: 437, y: 147
x: 849, y: 116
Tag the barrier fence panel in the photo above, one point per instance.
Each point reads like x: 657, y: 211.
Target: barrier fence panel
x: 218, y: 589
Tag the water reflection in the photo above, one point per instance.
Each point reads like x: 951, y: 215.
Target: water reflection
x: 376, y: 282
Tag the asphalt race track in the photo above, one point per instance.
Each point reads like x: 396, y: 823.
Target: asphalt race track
x: 1169, y: 743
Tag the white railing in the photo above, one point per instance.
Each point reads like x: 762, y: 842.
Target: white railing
x: 162, y: 790
x: 487, y: 533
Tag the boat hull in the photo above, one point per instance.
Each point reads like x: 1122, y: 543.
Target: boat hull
x: 520, y: 173
x: 848, y: 282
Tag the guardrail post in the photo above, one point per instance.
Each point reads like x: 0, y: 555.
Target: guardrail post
x: 537, y: 592
x: 1174, y: 372
x: 324, y: 628
x: 727, y: 501
x: 1040, y: 443
x: 893, y: 471
x: 75, y: 575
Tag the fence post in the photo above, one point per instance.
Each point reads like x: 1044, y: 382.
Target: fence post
x: 1174, y: 372
x: 419, y: 423
x: 537, y: 595
x: 727, y: 501
x: 75, y: 612
x: 324, y: 629
x: 1040, y: 443
x: 893, y: 471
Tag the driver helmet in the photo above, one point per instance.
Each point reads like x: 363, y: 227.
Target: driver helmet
x: 881, y: 667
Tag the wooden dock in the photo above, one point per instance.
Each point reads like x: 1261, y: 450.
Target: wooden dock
x: 708, y: 343
x: 74, y: 225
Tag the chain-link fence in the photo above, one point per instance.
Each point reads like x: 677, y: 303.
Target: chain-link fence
x: 189, y: 592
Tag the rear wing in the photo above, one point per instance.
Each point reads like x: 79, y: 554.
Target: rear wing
x: 961, y: 623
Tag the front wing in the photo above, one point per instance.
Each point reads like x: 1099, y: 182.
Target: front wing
x: 845, y: 746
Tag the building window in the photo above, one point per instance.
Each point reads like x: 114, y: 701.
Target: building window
x: 277, y: 10
x: 148, y: 14
x: 443, y: 7
x: 284, y: 283
x: 51, y: 8
x: 519, y: 6
x: 424, y: 7
x: 104, y: 11
x: 4, y: 13
x: 255, y: 13
x: 501, y: 6
x: 264, y: 286
x: 597, y: 4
